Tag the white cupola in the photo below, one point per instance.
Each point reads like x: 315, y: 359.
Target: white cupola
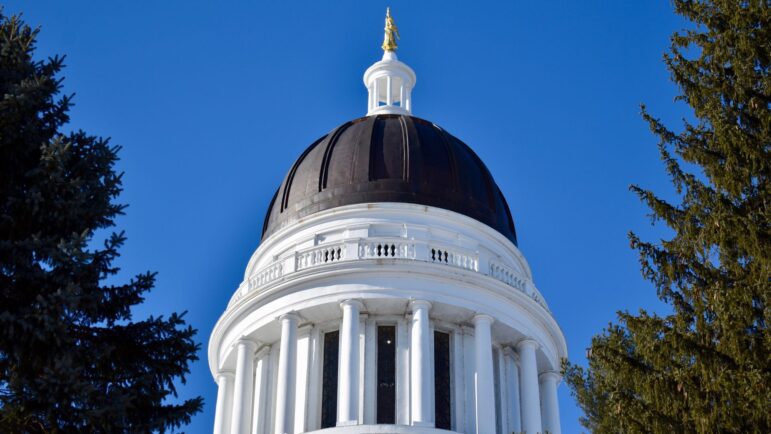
x: 389, y: 81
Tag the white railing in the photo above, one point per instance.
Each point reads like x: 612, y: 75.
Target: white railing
x: 391, y: 248
x: 319, y: 255
x: 506, y: 275
x: 454, y: 257
x: 266, y: 275
x: 386, y: 248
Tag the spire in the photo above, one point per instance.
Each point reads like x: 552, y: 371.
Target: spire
x: 389, y: 81
x: 391, y: 33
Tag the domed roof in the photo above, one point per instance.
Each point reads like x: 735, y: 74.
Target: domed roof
x: 389, y: 158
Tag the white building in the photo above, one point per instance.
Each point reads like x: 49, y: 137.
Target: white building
x: 388, y: 294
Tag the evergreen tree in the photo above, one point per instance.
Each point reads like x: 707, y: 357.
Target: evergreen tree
x: 71, y: 358
x: 705, y: 365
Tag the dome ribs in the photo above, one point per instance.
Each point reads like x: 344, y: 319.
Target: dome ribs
x: 368, y: 146
x: 390, y: 158
x: 405, y: 149
x: 293, y: 171
x: 384, y: 159
x: 360, y: 166
x: 488, y: 178
x: 324, y: 171
x: 445, y: 136
x: 414, y: 151
x: 269, y: 214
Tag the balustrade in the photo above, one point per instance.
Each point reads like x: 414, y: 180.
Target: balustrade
x: 391, y: 248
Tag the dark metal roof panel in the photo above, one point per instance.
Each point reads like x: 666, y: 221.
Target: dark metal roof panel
x: 390, y: 158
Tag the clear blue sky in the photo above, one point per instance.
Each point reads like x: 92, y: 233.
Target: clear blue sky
x: 213, y: 101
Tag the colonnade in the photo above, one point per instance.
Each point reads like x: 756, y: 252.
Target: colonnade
x: 527, y: 398
x: 404, y: 99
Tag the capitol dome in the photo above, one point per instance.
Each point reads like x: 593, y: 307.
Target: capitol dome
x: 389, y: 158
x: 388, y: 294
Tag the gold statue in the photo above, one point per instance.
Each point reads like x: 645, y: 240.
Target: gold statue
x: 391, y: 33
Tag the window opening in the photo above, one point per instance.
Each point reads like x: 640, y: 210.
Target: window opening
x: 442, y: 381
x: 386, y: 374
x: 331, y: 352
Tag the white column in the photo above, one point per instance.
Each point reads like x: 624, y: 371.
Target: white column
x: 550, y: 412
x: 285, y: 384
x: 403, y: 371
x: 261, y: 380
x: 512, y: 384
x: 314, y: 386
x: 302, y: 379
x: 270, y: 408
x: 376, y: 89
x: 503, y: 392
x: 224, y: 402
x: 362, y: 349
x: 244, y: 386
x: 459, y: 381
x: 348, y: 381
x: 528, y: 380
x: 370, y: 372
x: 485, y: 389
x: 469, y: 364
x: 401, y: 94
x: 420, y: 365
x: 389, y: 98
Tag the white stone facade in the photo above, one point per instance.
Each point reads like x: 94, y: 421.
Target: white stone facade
x: 419, y: 269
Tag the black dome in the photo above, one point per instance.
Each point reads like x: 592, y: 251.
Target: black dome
x: 389, y: 158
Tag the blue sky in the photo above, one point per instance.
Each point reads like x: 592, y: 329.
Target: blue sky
x: 213, y: 101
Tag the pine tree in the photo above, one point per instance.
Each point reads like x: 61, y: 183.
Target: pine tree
x: 71, y: 357
x: 705, y: 365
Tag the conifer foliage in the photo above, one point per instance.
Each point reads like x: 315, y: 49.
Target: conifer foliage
x: 704, y: 366
x: 71, y: 357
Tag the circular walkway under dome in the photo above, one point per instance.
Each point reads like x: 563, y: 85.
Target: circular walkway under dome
x: 389, y: 158
x: 388, y: 294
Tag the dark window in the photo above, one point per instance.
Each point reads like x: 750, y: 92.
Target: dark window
x: 442, y: 389
x: 386, y: 374
x: 329, y: 380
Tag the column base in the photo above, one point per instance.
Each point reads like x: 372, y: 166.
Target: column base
x: 347, y: 422
x: 424, y: 424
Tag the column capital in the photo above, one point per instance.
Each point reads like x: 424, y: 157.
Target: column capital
x: 550, y: 376
x: 418, y: 304
x: 226, y: 374
x: 527, y: 343
x: 352, y: 302
x: 481, y: 317
x: 248, y: 343
x: 510, y: 352
x: 263, y: 351
x: 290, y: 316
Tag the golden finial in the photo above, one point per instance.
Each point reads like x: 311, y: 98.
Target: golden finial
x: 391, y: 33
